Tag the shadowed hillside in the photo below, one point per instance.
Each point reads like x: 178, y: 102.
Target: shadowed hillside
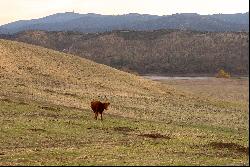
x: 159, y: 52
x: 45, y: 106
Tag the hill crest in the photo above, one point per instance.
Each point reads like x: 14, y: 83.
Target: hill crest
x: 92, y: 22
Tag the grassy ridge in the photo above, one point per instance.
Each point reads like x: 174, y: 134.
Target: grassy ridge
x: 44, y: 106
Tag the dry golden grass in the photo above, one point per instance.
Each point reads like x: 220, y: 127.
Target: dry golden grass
x: 65, y: 79
x: 234, y: 89
x: 45, y: 103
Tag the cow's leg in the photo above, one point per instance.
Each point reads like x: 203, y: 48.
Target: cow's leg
x: 101, y: 116
x: 95, y: 115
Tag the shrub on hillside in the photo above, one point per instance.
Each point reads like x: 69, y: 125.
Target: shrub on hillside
x: 222, y: 74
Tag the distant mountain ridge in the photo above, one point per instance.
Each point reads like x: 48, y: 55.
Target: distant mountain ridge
x: 91, y: 22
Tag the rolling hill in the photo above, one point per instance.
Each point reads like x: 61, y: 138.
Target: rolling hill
x: 91, y: 22
x: 44, y: 105
x: 162, y: 52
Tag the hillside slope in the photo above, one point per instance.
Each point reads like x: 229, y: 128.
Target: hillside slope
x: 158, y: 52
x: 44, y: 104
x: 48, y: 76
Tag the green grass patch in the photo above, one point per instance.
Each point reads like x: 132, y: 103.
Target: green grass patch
x: 52, y: 135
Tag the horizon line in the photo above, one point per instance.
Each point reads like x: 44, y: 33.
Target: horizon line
x: 73, y: 11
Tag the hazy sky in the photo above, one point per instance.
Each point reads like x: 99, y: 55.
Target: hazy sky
x: 12, y: 10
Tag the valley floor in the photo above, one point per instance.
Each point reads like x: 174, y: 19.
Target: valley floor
x: 233, y: 89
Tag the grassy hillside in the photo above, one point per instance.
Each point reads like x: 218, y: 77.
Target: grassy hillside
x: 155, y: 52
x: 45, y: 110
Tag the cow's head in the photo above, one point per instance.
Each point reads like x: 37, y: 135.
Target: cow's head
x: 106, y: 105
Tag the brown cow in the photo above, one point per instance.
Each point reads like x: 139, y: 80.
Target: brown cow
x: 98, y: 107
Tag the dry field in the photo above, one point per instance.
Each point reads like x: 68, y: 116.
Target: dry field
x: 233, y: 89
x: 46, y: 117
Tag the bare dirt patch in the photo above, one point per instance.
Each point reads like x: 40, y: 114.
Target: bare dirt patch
x: 49, y: 91
x: 123, y: 129
x: 22, y: 103
x: 155, y: 136
x: 230, y: 146
x: 37, y: 130
x: 70, y: 94
x: 6, y: 100
x: 49, y: 108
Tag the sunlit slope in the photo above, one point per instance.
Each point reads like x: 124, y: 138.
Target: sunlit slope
x: 38, y: 73
x: 31, y: 73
